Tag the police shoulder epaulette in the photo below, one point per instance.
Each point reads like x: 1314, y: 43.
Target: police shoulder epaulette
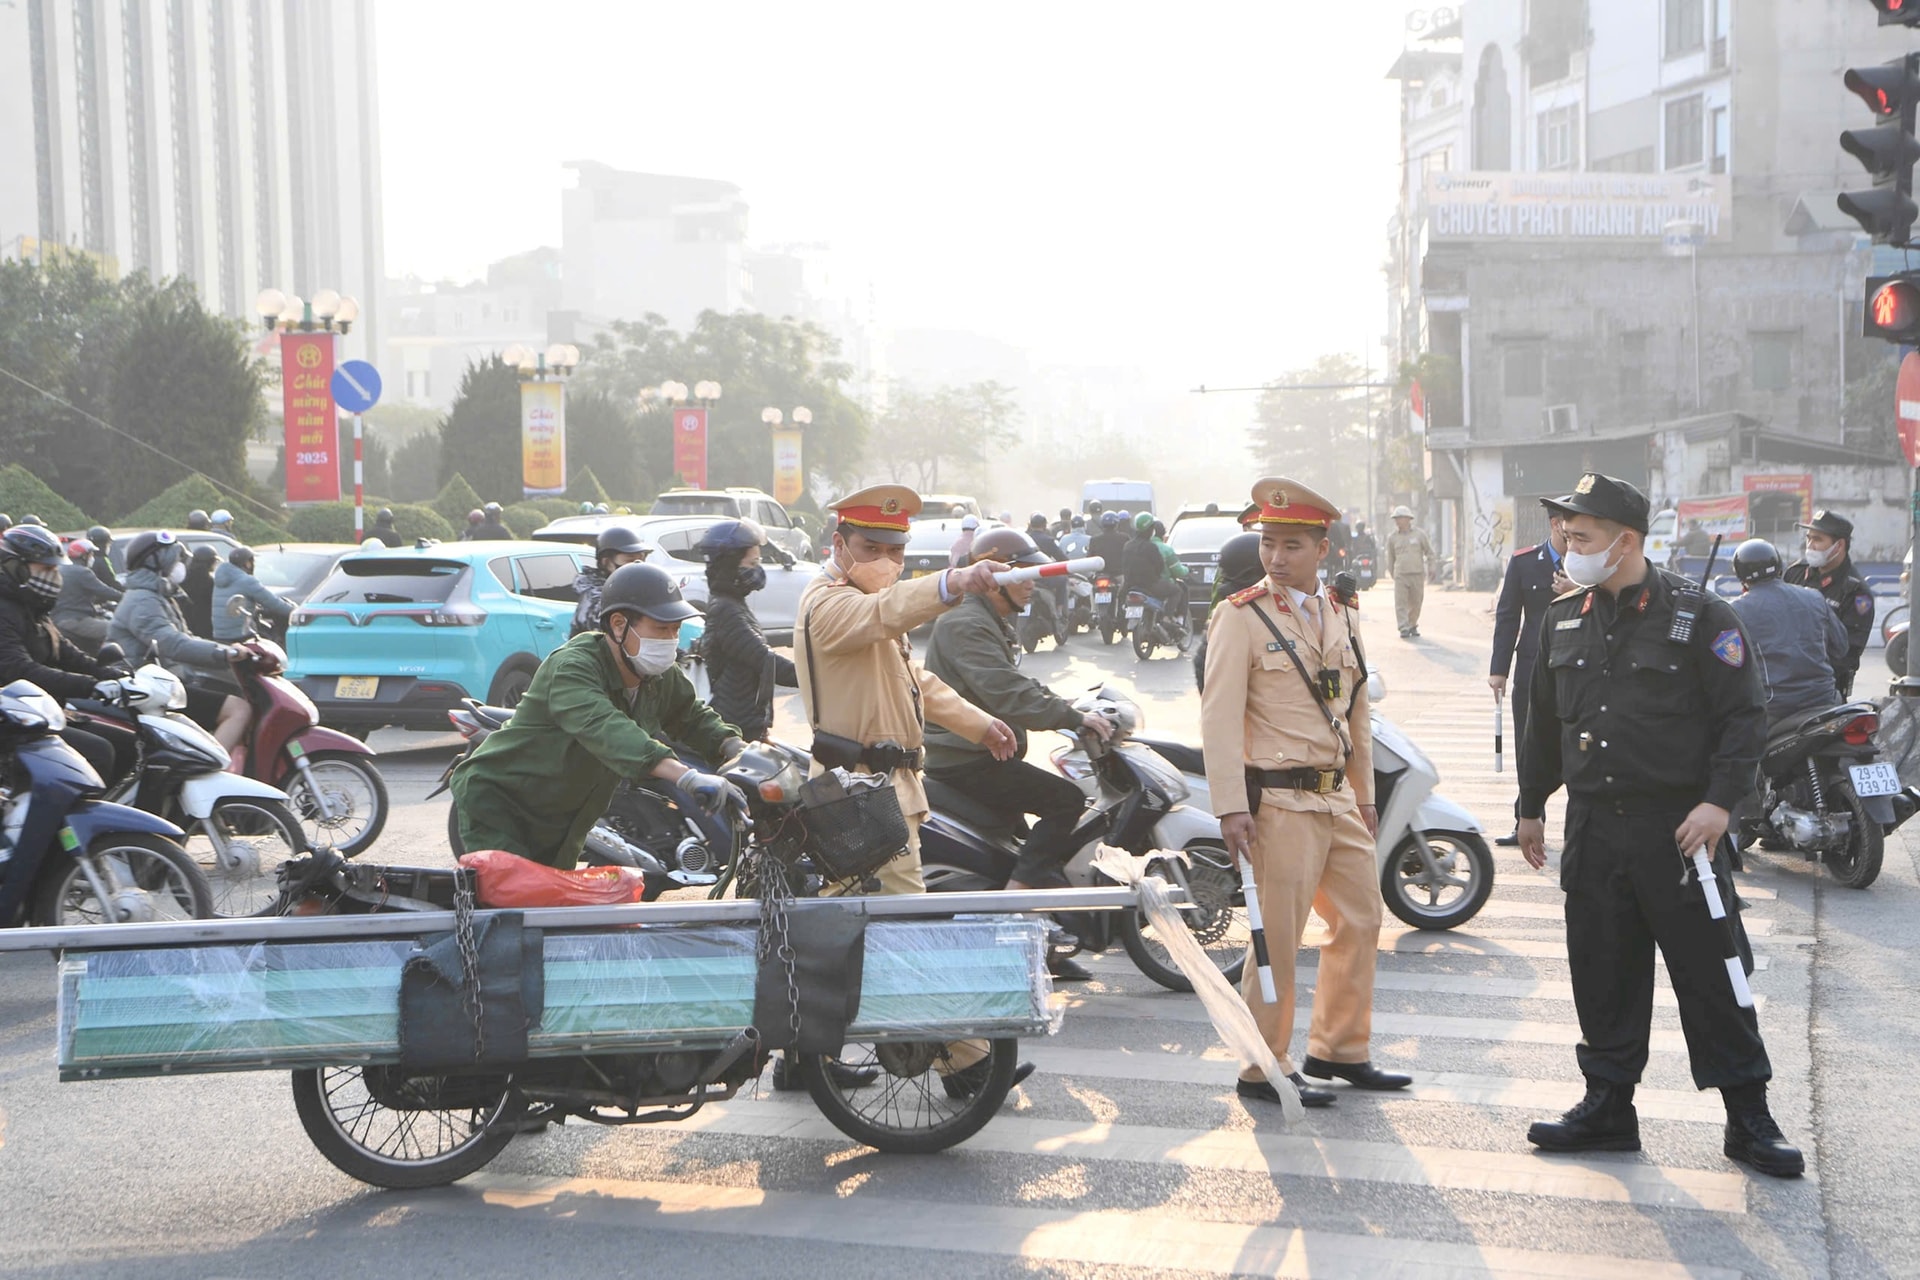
x: 1568, y: 595
x: 1526, y: 551
x: 1248, y: 596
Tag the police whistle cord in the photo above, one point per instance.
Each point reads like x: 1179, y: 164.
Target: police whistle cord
x: 1059, y: 569
x: 1499, y: 729
x: 1717, y: 909
x: 1225, y: 1008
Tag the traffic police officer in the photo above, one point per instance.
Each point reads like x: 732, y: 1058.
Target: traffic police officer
x: 1827, y: 567
x: 1647, y: 707
x: 1408, y: 550
x: 1290, y: 763
x: 1533, y: 580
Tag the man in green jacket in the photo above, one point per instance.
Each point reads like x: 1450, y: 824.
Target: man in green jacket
x: 596, y: 714
x: 973, y: 649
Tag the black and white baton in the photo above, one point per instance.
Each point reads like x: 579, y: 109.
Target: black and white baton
x: 1259, y: 928
x: 1499, y: 730
x: 1703, y: 866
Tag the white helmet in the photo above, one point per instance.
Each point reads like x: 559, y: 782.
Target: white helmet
x: 220, y: 516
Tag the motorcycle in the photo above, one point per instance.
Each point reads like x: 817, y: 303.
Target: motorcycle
x: 1365, y: 571
x: 68, y: 857
x: 1106, y: 608
x: 1436, y: 870
x: 1079, y: 603
x: 1153, y: 625
x: 1136, y: 802
x: 239, y: 830
x: 1893, y: 633
x: 1042, y: 620
x: 1826, y: 794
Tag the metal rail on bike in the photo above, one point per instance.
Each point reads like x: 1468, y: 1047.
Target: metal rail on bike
x: 414, y: 923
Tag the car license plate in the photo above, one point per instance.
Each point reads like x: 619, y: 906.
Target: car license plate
x: 1133, y: 613
x: 1103, y: 597
x: 1206, y: 575
x: 1874, y: 779
x: 361, y: 688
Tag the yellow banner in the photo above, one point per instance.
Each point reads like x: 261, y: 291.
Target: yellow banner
x: 543, y: 439
x: 789, y: 476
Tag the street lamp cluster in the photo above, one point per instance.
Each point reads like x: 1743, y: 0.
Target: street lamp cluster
x: 325, y: 312
x: 773, y: 417
x: 557, y: 361
x: 671, y: 393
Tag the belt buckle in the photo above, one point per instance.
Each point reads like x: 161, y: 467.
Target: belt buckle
x: 1329, y: 781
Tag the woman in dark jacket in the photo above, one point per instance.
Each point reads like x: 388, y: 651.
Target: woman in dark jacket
x: 197, y: 591
x: 741, y: 667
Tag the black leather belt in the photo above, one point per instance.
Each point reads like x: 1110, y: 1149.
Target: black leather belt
x: 1319, y: 781
x: 887, y: 759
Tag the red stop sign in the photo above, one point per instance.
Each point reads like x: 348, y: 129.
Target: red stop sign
x: 1906, y: 405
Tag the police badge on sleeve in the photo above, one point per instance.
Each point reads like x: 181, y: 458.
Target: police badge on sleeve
x: 1730, y: 647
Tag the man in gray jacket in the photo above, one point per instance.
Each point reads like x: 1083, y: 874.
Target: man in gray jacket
x: 1796, y: 637
x: 149, y: 617
x: 85, y: 601
x: 234, y: 580
x: 973, y: 650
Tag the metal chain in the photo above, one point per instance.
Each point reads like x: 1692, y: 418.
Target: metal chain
x: 469, y: 959
x: 775, y: 895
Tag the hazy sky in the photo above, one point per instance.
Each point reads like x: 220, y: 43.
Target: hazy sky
x: 1200, y: 189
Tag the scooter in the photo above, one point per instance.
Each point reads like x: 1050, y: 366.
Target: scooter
x: 1436, y: 871
x: 239, y: 829
x: 1365, y: 571
x: 67, y: 857
x: 1079, y: 603
x: 1152, y: 625
x: 1825, y: 793
x: 1136, y: 802
x: 1042, y: 620
x: 1106, y: 608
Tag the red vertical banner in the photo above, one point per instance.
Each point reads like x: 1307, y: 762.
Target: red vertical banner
x: 690, y: 446
x: 313, y: 432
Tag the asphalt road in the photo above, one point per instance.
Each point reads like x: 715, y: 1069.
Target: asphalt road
x: 1127, y: 1154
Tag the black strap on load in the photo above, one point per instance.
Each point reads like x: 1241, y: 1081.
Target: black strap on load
x: 469, y: 997
x: 812, y: 959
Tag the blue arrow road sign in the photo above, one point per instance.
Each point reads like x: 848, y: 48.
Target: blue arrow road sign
x: 356, y: 386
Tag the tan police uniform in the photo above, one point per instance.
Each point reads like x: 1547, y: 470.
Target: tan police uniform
x: 1407, y: 557
x: 1311, y: 849
x: 852, y: 648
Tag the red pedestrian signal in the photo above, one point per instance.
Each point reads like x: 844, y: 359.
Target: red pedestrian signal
x: 1893, y: 308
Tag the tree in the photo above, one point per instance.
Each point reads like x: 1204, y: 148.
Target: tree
x: 603, y: 437
x: 455, y: 499
x: 481, y: 435
x: 414, y: 470
x: 960, y: 428
x: 1316, y: 437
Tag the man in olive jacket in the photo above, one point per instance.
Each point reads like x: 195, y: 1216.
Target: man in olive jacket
x: 596, y: 714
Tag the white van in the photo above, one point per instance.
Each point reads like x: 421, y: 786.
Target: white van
x: 1118, y: 494
x: 1663, y: 542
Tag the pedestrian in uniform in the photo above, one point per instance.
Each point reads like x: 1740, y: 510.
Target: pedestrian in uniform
x: 1827, y: 566
x: 1646, y: 705
x: 1290, y: 763
x: 1408, y: 550
x: 1533, y: 580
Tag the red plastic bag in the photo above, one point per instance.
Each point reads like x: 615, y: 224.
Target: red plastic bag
x: 508, y: 880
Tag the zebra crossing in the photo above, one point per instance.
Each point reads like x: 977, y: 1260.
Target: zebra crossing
x: 1129, y: 1150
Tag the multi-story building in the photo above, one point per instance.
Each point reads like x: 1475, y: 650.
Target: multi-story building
x: 231, y: 142
x: 435, y: 330
x: 640, y: 243
x: 1617, y: 248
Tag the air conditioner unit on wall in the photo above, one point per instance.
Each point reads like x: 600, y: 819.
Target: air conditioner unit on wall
x: 1561, y: 419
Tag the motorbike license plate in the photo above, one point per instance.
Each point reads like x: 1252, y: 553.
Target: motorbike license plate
x: 1874, y: 779
x: 1103, y: 597
x: 1133, y: 613
x: 361, y: 688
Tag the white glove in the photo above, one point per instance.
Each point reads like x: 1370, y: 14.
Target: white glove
x: 708, y: 790
x: 109, y: 690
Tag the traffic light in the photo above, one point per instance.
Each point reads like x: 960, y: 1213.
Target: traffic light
x: 1898, y: 13
x: 1889, y: 149
x: 1893, y: 308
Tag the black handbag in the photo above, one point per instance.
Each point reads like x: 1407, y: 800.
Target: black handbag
x: 851, y: 831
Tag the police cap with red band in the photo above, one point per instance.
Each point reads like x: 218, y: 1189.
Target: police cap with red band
x: 1288, y: 502
x: 882, y: 512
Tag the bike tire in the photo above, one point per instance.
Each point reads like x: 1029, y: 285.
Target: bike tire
x: 1143, y: 641
x: 939, y: 1125
x: 252, y: 889
x: 1897, y: 654
x: 1404, y: 872
x: 488, y: 1131
x: 324, y: 833
x: 159, y: 865
x: 1859, y: 865
x: 1213, y: 882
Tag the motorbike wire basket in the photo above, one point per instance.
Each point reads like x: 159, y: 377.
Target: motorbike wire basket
x: 854, y: 824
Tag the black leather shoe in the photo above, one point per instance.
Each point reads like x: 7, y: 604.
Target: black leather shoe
x: 786, y: 1075
x: 1509, y: 840
x: 1361, y: 1075
x: 1263, y: 1091
x: 967, y: 1081
x: 1067, y: 969
x: 1754, y: 1139
x: 1604, y: 1120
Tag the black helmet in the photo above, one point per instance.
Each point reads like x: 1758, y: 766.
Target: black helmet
x: 1755, y: 560
x: 32, y: 544
x: 646, y: 590
x: 33, y: 519
x: 101, y: 537
x: 1008, y: 546
x: 386, y: 513
x: 197, y: 519
x: 206, y: 554
x: 1095, y: 507
x: 155, y: 551
x: 1076, y: 522
x: 491, y: 511
x: 239, y: 558
x: 731, y: 535
x: 6, y: 522
x: 1240, y: 565
x: 620, y: 539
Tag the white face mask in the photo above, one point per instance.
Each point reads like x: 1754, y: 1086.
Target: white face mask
x: 653, y: 657
x: 1589, y: 568
x: 1819, y: 559
x: 177, y: 574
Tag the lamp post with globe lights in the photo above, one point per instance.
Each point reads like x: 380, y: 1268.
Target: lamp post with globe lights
x: 543, y: 415
x: 307, y: 329
x: 688, y: 424
x: 789, y: 473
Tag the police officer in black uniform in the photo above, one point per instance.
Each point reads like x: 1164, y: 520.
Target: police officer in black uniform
x: 1533, y: 579
x: 1646, y: 705
x: 1827, y: 567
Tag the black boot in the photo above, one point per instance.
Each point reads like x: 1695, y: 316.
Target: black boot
x: 1753, y: 1138
x: 1604, y: 1120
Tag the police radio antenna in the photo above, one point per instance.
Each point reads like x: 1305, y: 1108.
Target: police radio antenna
x: 1706, y: 574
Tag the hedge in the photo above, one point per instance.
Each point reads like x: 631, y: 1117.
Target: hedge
x: 333, y: 521
x: 585, y: 487
x: 455, y: 499
x: 168, y: 510
x: 23, y: 493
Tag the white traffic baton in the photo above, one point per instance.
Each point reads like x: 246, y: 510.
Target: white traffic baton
x: 1499, y: 732
x: 1736, y: 971
x: 1259, y: 930
x: 1058, y: 569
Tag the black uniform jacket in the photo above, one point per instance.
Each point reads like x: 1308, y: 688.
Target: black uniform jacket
x: 1846, y: 592
x: 1624, y: 714
x: 1525, y: 594
x: 741, y: 668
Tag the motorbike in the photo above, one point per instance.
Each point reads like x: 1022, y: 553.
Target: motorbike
x: 1436, y: 870
x: 66, y: 856
x: 1136, y: 802
x: 238, y: 830
x: 1366, y: 571
x: 1893, y: 633
x: 1041, y: 620
x: 1825, y: 793
x: 1079, y: 603
x: 396, y: 1130
x: 1151, y: 625
x: 1106, y: 607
